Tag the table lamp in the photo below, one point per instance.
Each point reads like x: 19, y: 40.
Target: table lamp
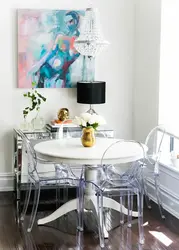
x: 91, y: 93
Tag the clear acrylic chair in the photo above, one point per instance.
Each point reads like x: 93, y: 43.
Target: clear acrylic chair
x: 61, y: 176
x: 154, y: 142
x: 121, y: 180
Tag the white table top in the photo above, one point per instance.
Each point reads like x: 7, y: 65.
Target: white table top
x: 71, y: 151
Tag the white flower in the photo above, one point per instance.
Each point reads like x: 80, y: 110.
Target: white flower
x: 83, y: 123
x: 94, y: 119
x: 79, y: 121
x: 86, y: 116
x: 101, y: 120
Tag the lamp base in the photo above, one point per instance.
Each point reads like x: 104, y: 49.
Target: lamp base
x: 91, y: 111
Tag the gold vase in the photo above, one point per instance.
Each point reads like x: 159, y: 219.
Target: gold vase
x: 88, y: 138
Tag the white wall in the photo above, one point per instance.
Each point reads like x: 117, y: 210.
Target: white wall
x: 115, y: 66
x: 169, y: 62
x: 147, y: 59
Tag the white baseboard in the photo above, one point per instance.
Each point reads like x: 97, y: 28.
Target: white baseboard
x: 6, y: 182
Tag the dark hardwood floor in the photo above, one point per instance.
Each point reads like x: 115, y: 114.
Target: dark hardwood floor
x: 159, y: 235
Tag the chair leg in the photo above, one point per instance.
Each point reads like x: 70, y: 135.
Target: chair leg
x: 35, y: 206
x: 130, y: 208
x: 100, y: 219
x: 147, y: 200
x: 122, y: 202
x: 129, y: 239
x: 26, y: 202
x: 79, y: 240
x: 159, y: 201
x: 65, y: 193
x: 57, y: 194
x: 80, y: 206
x: 140, y: 217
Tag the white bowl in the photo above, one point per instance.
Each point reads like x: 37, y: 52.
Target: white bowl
x: 175, y: 162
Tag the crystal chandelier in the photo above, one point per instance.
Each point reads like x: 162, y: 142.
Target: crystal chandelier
x: 90, y: 42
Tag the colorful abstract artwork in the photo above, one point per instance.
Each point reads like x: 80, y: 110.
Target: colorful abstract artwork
x: 46, y: 53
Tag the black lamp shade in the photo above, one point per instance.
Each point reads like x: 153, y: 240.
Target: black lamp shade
x: 91, y: 92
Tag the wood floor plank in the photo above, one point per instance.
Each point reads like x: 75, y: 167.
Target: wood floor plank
x: 15, y: 237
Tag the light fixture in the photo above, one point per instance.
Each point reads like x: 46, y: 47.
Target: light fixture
x: 90, y: 41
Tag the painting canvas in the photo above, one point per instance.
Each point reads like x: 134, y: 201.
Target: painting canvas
x: 46, y: 53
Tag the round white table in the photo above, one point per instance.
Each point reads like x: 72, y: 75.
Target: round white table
x: 71, y: 151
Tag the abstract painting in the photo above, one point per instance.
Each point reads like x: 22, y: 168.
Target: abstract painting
x: 46, y: 54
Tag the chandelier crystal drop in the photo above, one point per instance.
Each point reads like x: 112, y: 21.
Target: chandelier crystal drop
x: 91, y: 41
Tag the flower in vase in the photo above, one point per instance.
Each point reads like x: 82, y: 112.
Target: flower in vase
x: 87, y: 120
